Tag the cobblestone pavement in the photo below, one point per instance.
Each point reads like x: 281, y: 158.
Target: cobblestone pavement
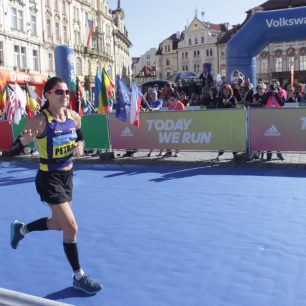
x: 292, y: 160
x: 185, y: 159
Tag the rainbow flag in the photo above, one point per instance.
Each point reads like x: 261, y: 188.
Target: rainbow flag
x: 106, y: 90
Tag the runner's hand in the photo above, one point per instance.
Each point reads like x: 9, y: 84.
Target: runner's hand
x: 27, y: 136
x: 78, y: 148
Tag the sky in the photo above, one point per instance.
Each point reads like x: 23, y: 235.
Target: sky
x: 149, y: 22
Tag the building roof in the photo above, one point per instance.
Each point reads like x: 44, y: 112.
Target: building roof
x: 147, y: 71
x: 280, y: 4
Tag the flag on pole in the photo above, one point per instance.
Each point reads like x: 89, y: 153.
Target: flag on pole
x: 32, y: 105
x: 107, y: 89
x: 11, y: 104
x: 2, y: 96
x: 21, y: 103
x: 90, y: 24
x: 136, y: 97
x: 79, y: 97
x: 123, y: 95
x: 292, y: 74
x: 98, y: 90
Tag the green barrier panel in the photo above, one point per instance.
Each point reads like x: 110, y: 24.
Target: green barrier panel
x: 17, y: 129
x: 95, y: 130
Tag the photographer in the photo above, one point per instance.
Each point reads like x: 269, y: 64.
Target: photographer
x: 272, y: 99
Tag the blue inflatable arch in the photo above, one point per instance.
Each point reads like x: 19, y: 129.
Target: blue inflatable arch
x: 260, y: 30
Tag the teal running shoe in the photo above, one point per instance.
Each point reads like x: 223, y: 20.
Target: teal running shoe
x: 87, y: 285
x: 16, y: 236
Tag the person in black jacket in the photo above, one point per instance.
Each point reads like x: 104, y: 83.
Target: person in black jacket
x: 226, y: 100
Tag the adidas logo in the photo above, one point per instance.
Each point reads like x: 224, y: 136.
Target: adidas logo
x: 272, y: 131
x: 127, y: 133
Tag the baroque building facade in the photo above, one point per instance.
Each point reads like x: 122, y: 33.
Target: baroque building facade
x: 203, y: 42
x: 31, y: 29
x: 190, y: 49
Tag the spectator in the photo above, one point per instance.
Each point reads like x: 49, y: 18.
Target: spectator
x: 207, y: 82
x: 174, y: 105
x: 154, y: 105
x: 272, y: 99
x: 166, y: 93
x: 245, y: 96
x: 226, y: 100
x: 300, y: 92
x: 291, y: 98
x: 260, y: 92
x: 211, y: 101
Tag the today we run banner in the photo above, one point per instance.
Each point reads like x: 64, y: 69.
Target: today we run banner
x: 197, y: 130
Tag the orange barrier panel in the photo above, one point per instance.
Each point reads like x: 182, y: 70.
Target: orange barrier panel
x: 6, y: 135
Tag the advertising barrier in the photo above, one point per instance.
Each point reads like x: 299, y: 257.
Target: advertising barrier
x: 277, y: 129
x: 198, y: 130
x: 17, y: 129
x: 6, y: 138
x: 95, y: 130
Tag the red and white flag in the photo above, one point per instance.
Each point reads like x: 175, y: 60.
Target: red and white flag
x: 90, y: 24
x: 11, y: 104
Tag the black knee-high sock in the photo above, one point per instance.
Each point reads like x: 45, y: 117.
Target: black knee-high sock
x: 71, y: 251
x: 38, y: 225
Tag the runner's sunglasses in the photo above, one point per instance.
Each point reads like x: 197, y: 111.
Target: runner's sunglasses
x: 60, y: 92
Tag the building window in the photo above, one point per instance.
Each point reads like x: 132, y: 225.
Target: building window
x: 17, y: 19
x: 264, y: 65
x: 48, y: 28
x: 33, y: 25
x: 211, y: 52
x: 20, y: 20
x: 1, y: 54
x: 65, y: 34
x: 196, y: 41
x: 290, y: 62
x: 23, y: 57
x: 279, y: 64
x: 189, y: 42
x: 57, y: 34
x: 183, y: 55
x: 186, y: 55
x: 76, y: 14
x: 78, y: 66
x: 14, y: 18
x: 207, y: 52
x: 202, y: 40
x: 17, y: 56
x: 302, y: 62
x: 89, y: 67
x: 77, y: 37
x: 56, y: 5
x: 35, y: 60
x: 167, y: 62
x: 63, y: 7
x: 50, y: 62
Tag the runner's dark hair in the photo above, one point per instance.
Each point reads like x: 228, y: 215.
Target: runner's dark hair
x: 49, y: 86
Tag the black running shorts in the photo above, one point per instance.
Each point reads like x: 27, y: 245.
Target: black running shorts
x: 54, y: 187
